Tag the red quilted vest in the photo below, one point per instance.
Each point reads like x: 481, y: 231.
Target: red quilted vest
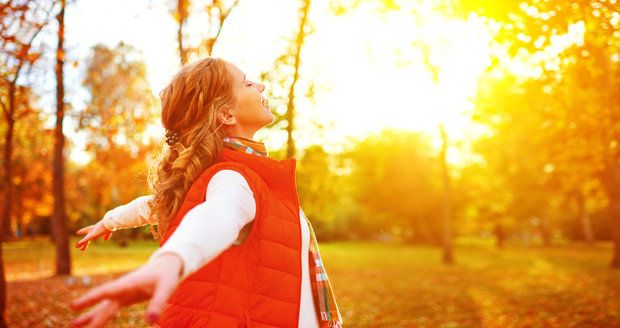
x: 258, y: 282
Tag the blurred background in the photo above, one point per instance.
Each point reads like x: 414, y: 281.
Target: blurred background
x: 459, y: 160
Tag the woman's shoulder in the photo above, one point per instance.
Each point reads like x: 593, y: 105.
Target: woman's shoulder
x: 233, y: 193
x: 228, y: 177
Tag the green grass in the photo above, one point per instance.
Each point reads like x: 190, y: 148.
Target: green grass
x: 35, y: 258
x: 377, y: 285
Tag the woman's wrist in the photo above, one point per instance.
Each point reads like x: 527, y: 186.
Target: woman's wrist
x: 170, y: 261
x: 108, y: 221
x: 105, y: 225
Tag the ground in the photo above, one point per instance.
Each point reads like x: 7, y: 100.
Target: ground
x: 376, y: 284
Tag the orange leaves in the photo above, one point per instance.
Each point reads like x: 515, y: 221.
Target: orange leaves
x: 376, y: 285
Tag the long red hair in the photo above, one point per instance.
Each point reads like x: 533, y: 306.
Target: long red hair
x: 190, y: 104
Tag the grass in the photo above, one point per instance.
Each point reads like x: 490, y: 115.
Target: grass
x: 377, y: 285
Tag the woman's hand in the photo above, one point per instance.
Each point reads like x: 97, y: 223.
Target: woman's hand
x: 156, y: 280
x: 93, y: 231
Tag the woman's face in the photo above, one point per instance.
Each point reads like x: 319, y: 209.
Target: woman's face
x: 252, y: 111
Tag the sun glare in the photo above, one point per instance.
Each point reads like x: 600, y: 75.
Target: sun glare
x: 369, y: 68
x: 380, y: 78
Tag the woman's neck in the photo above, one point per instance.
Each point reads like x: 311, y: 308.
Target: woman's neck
x: 242, y: 138
x: 238, y: 133
x: 246, y: 145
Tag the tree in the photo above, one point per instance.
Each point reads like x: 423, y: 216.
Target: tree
x: 59, y: 216
x: 31, y: 176
x: 115, y: 122
x: 397, y: 185
x: 447, y: 235
x: 286, y: 72
x: 20, y: 24
x: 582, y: 79
x: 517, y: 152
x: 323, y: 193
x: 290, y: 108
x: 216, y: 10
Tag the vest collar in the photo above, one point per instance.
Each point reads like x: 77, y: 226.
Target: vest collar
x: 278, y: 174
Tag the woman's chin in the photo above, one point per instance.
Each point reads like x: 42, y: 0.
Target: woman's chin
x: 271, y: 118
x: 268, y: 110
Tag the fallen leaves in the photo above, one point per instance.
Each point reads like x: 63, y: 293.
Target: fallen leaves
x: 376, y: 285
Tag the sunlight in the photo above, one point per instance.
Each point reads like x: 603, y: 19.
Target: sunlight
x: 382, y: 82
x: 368, y: 70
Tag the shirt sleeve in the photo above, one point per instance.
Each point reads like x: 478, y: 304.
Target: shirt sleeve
x: 133, y: 214
x: 209, y: 228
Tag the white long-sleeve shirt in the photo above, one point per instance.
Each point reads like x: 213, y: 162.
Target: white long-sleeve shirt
x: 209, y: 228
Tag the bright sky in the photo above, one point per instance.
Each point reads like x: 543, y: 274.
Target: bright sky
x: 368, y: 73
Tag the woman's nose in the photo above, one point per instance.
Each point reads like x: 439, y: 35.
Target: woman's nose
x: 261, y: 87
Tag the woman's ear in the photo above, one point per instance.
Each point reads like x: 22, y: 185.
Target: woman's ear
x: 227, y: 117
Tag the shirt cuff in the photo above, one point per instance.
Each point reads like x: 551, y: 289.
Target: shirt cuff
x: 161, y: 252
x: 109, y: 222
x: 190, y: 256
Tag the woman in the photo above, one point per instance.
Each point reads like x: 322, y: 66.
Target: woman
x: 236, y: 249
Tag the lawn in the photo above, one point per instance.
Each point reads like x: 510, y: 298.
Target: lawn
x: 377, y: 285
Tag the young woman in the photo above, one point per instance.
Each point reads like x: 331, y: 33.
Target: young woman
x: 236, y: 250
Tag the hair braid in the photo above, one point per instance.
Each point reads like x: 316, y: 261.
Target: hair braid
x: 190, y: 104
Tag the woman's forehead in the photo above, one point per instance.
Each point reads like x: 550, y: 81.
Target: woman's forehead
x: 236, y: 71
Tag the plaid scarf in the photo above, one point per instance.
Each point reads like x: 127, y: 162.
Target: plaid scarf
x: 329, y: 315
x: 246, y: 145
x: 321, y: 287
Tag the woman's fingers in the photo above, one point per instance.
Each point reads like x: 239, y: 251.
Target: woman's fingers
x: 87, y: 317
x: 107, y: 312
x: 84, y: 319
x: 109, y: 289
x: 83, y: 243
x: 128, y: 289
x: 91, y: 297
x: 93, y: 232
x: 164, y: 289
x: 154, y: 282
x: 84, y: 230
x: 83, y: 246
x: 97, y: 316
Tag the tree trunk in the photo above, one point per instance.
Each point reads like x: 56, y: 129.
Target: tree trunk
x: 8, y: 164
x: 611, y: 182
x: 19, y: 226
x: 8, y: 188
x: 59, y: 217
x: 500, y: 235
x: 2, y: 291
x: 448, y: 251
x: 614, y: 209
x: 5, y: 223
x: 290, y: 108
x: 6, y: 215
x: 181, y: 18
x: 584, y: 217
x: 545, y: 230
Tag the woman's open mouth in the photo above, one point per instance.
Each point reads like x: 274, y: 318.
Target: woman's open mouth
x: 264, y: 102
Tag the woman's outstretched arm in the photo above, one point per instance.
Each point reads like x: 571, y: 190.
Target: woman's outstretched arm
x: 133, y: 214
x: 206, y: 231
